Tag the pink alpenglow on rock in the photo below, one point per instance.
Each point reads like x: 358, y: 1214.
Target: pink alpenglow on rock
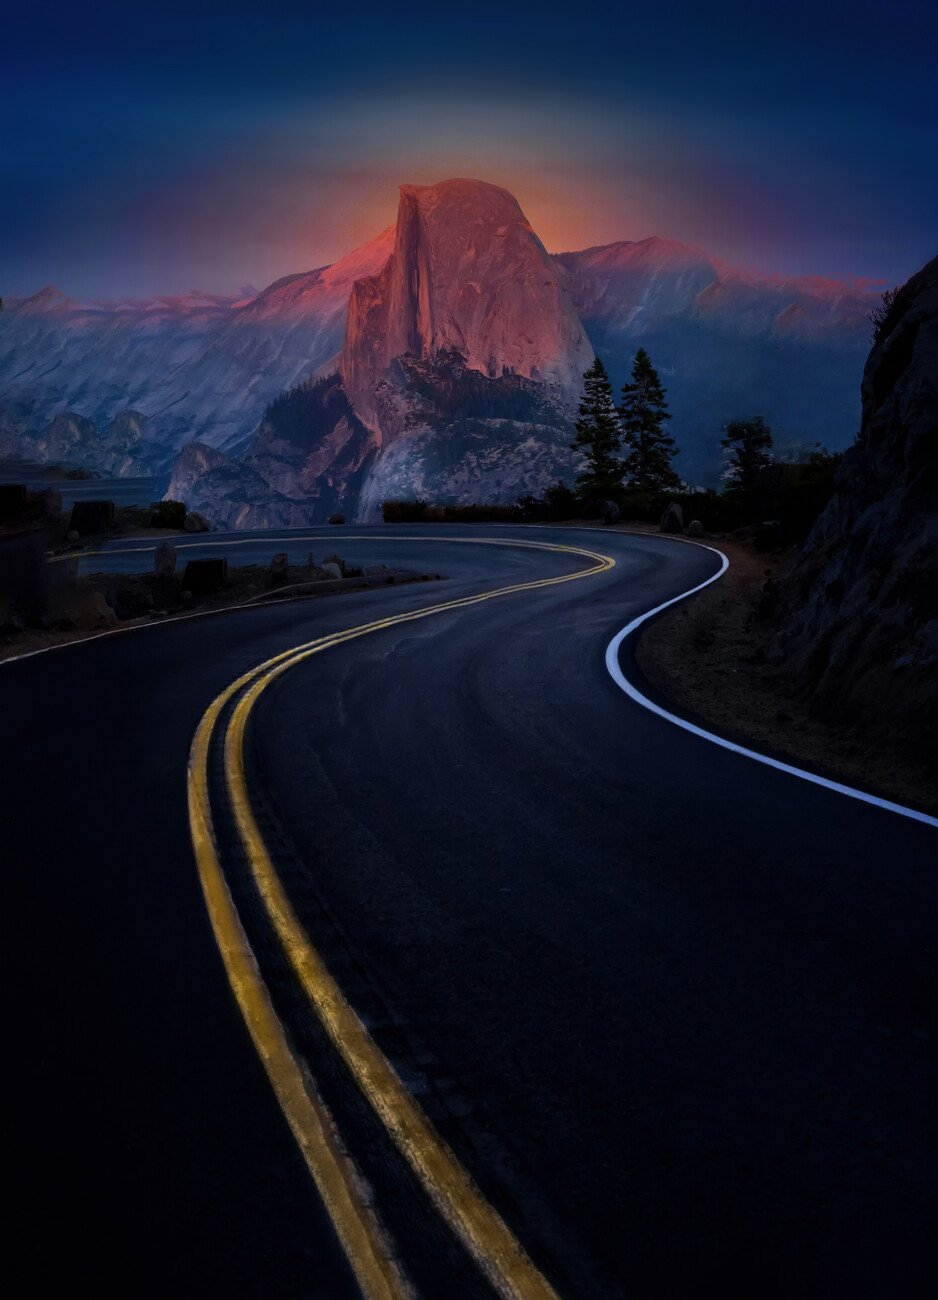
x: 467, y: 275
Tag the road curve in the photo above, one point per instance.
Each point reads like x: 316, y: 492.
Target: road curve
x: 669, y: 1009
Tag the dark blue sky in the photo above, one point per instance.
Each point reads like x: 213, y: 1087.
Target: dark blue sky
x: 154, y: 147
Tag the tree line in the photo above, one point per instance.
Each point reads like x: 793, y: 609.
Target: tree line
x: 627, y: 446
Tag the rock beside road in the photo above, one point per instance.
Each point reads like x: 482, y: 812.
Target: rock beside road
x: 672, y: 521
x: 196, y: 522
x: 164, y: 560
x: 857, y: 617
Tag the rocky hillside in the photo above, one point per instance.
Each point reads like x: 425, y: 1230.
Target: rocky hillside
x: 726, y: 342
x: 859, y: 615
x: 197, y: 367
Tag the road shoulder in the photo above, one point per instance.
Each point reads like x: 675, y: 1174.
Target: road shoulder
x: 708, y: 656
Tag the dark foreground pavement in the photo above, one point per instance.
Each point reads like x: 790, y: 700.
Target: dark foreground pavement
x: 673, y: 1010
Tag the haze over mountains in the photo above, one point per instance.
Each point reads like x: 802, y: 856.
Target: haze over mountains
x: 441, y: 359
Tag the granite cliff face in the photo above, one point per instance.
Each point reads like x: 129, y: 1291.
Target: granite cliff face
x: 457, y: 379
x: 859, y: 615
x: 467, y: 276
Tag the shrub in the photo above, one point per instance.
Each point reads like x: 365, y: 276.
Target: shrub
x: 794, y: 493
x: 135, y: 517
x: 168, y: 514
x: 558, y: 502
x: 881, y: 317
x: 403, y: 512
x: 714, y: 509
x: 419, y: 512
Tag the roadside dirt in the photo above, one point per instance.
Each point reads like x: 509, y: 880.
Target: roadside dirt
x: 707, y: 655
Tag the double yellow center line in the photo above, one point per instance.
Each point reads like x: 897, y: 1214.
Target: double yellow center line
x: 481, y: 1230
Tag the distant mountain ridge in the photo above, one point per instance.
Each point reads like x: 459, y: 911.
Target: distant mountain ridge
x: 460, y: 285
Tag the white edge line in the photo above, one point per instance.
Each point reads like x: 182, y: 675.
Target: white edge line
x: 615, y: 671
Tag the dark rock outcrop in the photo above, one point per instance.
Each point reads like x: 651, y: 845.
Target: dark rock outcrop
x: 90, y: 517
x: 672, y: 521
x: 164, y: 560
x: 196, y: 522
x: 858, y: 616
x: 203, y: 577
x: 231, y: 493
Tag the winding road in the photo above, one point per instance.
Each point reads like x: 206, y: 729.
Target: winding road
x: 426, y: 962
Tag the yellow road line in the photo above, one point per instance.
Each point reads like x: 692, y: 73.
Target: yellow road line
x: 477, y: 1224
x: 369, y: 1253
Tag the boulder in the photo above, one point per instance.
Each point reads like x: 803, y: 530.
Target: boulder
x: 203, y: 577
x: 337, y: 561
x: 24, y: 575
x: 695, y: 528
x: 164, y: 560
x: 609, y: 512
x: 672, y: 521
x: 72, y: 535
x: 10, y: 621
x: 12, y: 500
x: 96, y: 612
x: 337, y: 519
x: 90, y: 517
x: 196, y: 522
x: 330, y: 570
x: 279, y: 568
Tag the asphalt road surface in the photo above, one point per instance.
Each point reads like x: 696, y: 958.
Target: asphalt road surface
x: 673, y: 1011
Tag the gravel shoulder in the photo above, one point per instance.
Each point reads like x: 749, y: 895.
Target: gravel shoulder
x: 708, y: 656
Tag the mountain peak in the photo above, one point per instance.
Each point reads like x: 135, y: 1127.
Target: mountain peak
x: 460, y: 188
x: 468, y: 275
x: 47, y: 299
x: 325, y: 289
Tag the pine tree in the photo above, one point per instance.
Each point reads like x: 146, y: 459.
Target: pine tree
x: 649, y: 448
x: 598, y: 435
x: 748, y: 444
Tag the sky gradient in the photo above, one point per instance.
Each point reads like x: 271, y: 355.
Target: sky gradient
x: 153, y: 148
